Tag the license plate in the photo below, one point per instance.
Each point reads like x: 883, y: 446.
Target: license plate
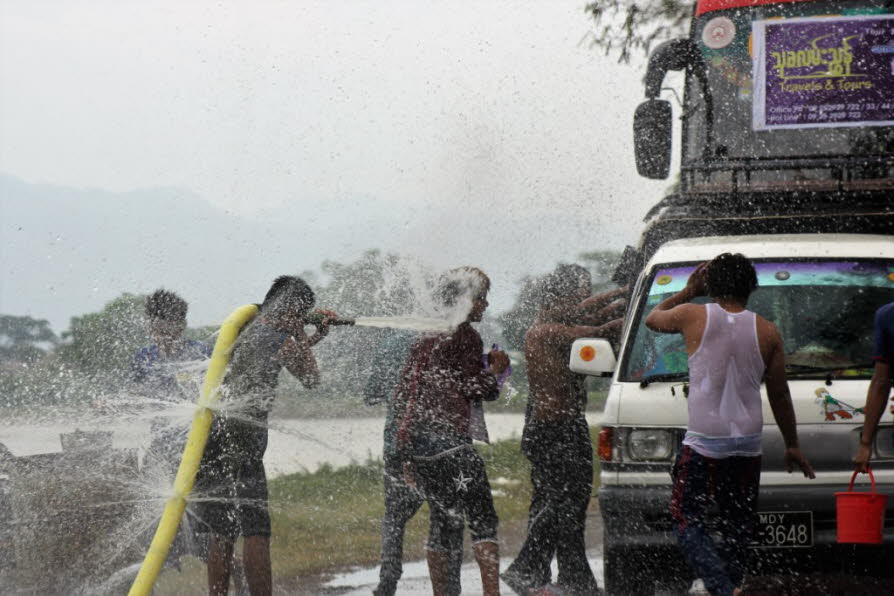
x: 783, y: 529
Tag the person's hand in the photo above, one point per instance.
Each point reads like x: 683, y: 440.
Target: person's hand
x: 327, y: 314
x: 793, y: 456
x: 697, y: 282
x: 409, y: 475
x: 498, y: 361
x: 323, y: 324
x: 861, y: 461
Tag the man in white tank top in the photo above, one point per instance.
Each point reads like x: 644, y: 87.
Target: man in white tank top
x: 731, y: 350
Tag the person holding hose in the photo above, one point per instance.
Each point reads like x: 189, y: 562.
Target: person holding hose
x: 231, y: 486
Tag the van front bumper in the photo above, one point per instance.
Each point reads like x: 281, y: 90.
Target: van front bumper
x: 640, y: 515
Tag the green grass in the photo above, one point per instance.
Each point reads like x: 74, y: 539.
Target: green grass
x: 349, y: 405
x: 329, y: 520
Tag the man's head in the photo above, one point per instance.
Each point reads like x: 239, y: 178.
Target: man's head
x: 288, y: 299
x: 167, y: 316
x: 567, y: 284
x: 465, y: 281
x: 731, y: 277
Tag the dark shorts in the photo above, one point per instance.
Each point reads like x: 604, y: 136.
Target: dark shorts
x: 456, y: 488
x: 231, y: 486
x: 706, y: 488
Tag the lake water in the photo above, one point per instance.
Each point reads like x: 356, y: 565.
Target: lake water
x: 295, y: 444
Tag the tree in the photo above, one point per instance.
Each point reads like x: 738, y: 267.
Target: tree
x: 24, y: 339
x: 377, y: 284
x: 645, y: 23
x: 515, y: 322
x: 103, y: 343
x: 602, y: 264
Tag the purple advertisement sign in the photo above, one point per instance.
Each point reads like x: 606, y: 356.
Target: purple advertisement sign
x: 823, y: 72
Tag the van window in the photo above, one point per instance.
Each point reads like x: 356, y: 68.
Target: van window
x: 823, y: 308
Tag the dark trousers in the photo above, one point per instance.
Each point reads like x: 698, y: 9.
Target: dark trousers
x: 715, y: 497
x: 561, y: 456
x: 401, y: 504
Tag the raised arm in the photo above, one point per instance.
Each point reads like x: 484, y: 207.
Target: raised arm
x: 592, y: 311
x: 780, y: 399
x: 597, y: 301
x: 674, y: 313
x: 556, y: 334
x: 299, y: 360
x: 613, y: 311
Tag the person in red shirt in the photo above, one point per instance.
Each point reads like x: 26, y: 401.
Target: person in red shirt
x: 444, y: 375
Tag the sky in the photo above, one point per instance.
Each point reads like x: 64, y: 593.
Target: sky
x: 487, y: 133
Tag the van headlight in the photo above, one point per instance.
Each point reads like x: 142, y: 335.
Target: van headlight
x: 650, y: 444
x: 884, y: 442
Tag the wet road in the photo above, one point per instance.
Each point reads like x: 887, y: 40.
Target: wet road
x: 415, y: 580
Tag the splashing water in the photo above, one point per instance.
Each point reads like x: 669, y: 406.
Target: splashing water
x: 421, y: 324
x: 106, y: 501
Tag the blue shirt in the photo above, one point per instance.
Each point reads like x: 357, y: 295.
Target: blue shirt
x: 884, y: 334
x: 157, y: 373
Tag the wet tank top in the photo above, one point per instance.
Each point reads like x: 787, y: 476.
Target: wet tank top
x: 254, y: 368
x: 725, y: 374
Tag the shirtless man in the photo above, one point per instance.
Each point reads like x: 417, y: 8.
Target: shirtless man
x: 556, y: 438
x: 731, y: 350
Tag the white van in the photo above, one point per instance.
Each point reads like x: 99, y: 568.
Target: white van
x: 822, y: 291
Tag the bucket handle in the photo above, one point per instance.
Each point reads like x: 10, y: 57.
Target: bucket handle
x: 850, y: 488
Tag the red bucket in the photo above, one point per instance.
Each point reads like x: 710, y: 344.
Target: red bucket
x: 861, y: 516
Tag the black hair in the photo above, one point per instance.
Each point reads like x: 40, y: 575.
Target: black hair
x: 459, y: 281
x: 288, y: 292
x: 166, y: 305
x: 563, y: 282
x: 731, y: 276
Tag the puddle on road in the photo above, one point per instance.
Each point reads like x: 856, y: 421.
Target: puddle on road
x: 415, y: 580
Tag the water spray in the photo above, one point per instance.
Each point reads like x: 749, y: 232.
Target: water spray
x: 192, y: 454
x: 423, y: 324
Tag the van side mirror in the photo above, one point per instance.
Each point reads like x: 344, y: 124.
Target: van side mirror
x: 594, y: 357
x: 652, y: 133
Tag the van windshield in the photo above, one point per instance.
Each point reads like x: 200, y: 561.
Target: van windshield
x: 824, y: 310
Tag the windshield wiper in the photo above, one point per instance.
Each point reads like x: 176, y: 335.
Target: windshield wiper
x: 806, y: 368
x: 663, y: 377
x: 799, y: 369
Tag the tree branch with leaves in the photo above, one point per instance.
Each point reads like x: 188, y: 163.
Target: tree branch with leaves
x: 643, y: 24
